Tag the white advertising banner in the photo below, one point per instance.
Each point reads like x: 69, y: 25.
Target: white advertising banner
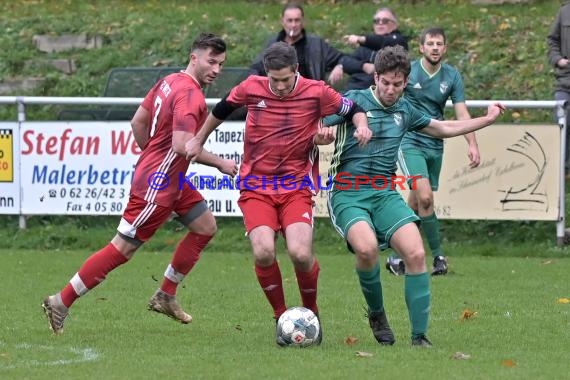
x: 76, y: 168
x: 220, y: 190
x: 518, y: 178
x: 9, y: 172
x: 86, y: 168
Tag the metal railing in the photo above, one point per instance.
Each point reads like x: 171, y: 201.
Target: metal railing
x: 559, y: 106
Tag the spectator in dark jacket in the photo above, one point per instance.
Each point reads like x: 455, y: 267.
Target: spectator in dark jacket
x: 558, y: 55
x: 316, y: 57
x: 360, y: 65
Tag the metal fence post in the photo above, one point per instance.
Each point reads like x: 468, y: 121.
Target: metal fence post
x: 562, y: 112
x: 21, y: 118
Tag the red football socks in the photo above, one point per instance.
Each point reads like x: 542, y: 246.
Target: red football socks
x: 272, y: 284
x: 92, y: 272
x: 185, y: 257
x: 307, y: 282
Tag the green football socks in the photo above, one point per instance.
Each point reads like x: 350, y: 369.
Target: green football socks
x: 371, y: 288
x: 417, y: 293
x: 430, y: 226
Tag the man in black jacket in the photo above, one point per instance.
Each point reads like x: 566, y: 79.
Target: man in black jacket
x: 316, y: 57
x: 360, y: 65
x: 559, y: 57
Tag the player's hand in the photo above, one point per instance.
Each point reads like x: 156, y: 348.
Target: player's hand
x: 229, y: 167
x: 363, y: 134
x: 474, y: 156
x: 193, y: 149
x: 325, y: 136
x: 495, y: 110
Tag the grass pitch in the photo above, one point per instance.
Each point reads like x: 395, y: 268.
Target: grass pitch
x: 492, y: 317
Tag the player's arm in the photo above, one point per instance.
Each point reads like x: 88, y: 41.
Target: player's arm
x: 452, y: 128
x: 461, y: 113
x: 181, y: 138
x: 352, y: 111
x: 221, y: 111
x: 325, y: 135
x: 224, y: 165
x: 140, y: 124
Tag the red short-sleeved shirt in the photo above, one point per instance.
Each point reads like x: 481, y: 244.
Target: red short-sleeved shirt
x: 176, y: 103
x: 279, y: 132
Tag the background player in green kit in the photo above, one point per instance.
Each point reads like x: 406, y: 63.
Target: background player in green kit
x: 430, y: 84
x: 375, y: 215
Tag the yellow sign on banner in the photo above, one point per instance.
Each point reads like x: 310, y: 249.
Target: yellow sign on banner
x: 6, y: 156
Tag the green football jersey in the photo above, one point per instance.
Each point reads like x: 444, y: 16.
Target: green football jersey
x: 378, y: 157
x: 428, y: 93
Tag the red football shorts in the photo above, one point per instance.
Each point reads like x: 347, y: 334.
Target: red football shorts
x: 276, y: 211
x: 141, y: 219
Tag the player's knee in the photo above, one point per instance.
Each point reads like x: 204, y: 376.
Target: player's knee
x: 367, y: 253
x: 263, y: 253
x: 425, y: 201
x: 263, y: 258
x: 210, y: 229
x: 301, y: 256
x: 415, y: 258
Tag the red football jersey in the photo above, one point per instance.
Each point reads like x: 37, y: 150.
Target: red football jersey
x: 279, y: 153
x: 175, y: 103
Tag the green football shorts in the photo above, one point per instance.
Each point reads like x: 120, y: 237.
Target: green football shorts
x: 421, y: 162
x: 384, y: 211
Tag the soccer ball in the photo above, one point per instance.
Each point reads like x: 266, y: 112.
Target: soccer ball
x: 298, y: 326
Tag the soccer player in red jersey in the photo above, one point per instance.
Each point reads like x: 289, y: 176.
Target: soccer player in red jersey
x: 276, y: 175
x: 171, y: 113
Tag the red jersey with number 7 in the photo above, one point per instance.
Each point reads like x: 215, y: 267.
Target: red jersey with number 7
x: 279, y: 153
x: 175, y: 103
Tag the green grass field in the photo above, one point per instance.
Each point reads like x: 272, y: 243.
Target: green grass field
x: 520, y: 329
x: 510, y: 273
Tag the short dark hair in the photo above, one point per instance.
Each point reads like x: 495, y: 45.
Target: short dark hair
x: 280, y: 55
x: 392, y: 58
x: 433, y: 31
x: 209, y: 40
x: 292, y: 6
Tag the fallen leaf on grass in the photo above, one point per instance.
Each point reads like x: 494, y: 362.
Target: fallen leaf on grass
x: 564, y: 300
x: 238, y: 327
x: 546, y: 262
x: 101, y: 298
x: 509, y: 363
x: 460, y: 356
x: 468, y: 314
x: 350, y: 340
x: 362, y: 354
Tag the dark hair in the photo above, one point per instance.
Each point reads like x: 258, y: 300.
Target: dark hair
x: 392, y: 58
x: 280, y: 55
x: 432, y: 31
x: 292, y: 6
x: 209, y: 40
